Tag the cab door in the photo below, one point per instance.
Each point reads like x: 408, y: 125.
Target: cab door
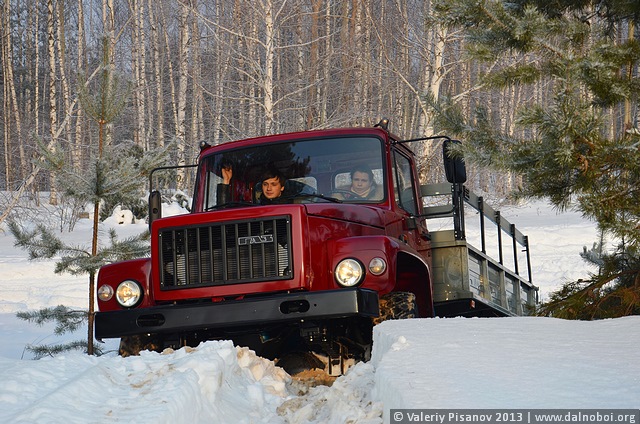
x: 413, y: 229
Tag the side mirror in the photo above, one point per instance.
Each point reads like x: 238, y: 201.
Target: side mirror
x: 454, y: 167
x: 155, y: 206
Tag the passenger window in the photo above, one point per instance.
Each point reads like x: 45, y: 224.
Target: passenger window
x: 403, y: 183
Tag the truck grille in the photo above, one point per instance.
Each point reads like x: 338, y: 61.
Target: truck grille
x: 226, y: 253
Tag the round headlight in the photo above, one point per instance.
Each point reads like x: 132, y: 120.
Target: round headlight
x: 128, y: 293
x: 377, y: 266
x: 349, y: 272
x: 105, y: 292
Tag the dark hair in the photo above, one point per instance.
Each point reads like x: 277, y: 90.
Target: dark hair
x: 363, y: 169
x: 273, y: 173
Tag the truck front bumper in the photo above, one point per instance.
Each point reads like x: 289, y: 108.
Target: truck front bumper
x: 280, y: 308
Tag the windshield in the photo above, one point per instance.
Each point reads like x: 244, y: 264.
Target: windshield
x: 347, y: 169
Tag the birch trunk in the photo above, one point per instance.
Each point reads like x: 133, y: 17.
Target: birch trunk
x: 183, y: 80
x: 6, y: 133
x: 158, y: 128
x: 301, y: 77
x: 53, y: 108
x: 65, y: 91
x: 81, y: 64
x: 269, y: 54
x: 359, y: 97
x: 138, y: 57
x: 222, y: 71
x: 5, y: 34
x: 172, y: 79
x: 628, y: 121
x: 251, y: 51
x: 108, y: 22
x: 11, y: 101
x: 433, y: 81
x: 197, y: 124
x: 326, y: 68
x: 135, y: 68
x: 36, y: 72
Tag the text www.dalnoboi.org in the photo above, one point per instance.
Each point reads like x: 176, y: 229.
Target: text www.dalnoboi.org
x: 523, y: 416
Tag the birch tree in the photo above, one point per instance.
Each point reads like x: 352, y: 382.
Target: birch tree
x: 197, y: 113
x: 136, y: 8
x: 184, y: 56
x: 7, y: 74
x: 53, y: 106
x: 156, y: 118
x: 81, y: 70
x: 65, y: 90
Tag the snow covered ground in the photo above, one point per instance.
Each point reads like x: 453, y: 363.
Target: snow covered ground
x: 429, y: 363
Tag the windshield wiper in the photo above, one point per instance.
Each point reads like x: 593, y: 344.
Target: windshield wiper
x: 317, y: 196
x: 228, y: 205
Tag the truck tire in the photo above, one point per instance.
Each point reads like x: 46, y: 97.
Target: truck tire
x: 133, y: 345
x: 296, y: 362
x: 397, y: 305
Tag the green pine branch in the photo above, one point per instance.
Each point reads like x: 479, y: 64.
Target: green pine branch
x: 563, y: 148
x: 41, y: 351
x: 42, y: 243
x: 66, y: 319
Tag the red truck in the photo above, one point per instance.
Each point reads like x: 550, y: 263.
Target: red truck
x: 315, y: 269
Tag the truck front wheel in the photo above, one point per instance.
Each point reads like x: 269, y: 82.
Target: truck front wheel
x: 133, y: 345
x: 397, y: 305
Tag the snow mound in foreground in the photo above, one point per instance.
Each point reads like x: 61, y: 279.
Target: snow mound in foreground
x: 523, y: 362
x: 189, y: 385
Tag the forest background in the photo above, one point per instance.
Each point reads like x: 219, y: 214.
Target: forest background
x: 224, y: 70
x: 543, y: 93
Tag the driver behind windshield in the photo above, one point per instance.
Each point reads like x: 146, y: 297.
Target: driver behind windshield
x: 272, y: 186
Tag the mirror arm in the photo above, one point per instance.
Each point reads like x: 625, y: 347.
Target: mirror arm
x: 434, y: 137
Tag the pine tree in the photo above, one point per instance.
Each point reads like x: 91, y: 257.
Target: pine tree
x: 563, y: 150
x: 120, y: 175
x: 116, y: 175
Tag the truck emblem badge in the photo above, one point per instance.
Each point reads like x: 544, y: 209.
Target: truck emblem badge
x: 267, y: 238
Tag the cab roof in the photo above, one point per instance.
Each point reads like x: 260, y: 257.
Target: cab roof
x: 300, y: 135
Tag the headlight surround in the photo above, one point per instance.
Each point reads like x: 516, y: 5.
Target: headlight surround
x: 129, y: 293
x: 349, y: 272
x: 377, y: 266
x: 105, y: 292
